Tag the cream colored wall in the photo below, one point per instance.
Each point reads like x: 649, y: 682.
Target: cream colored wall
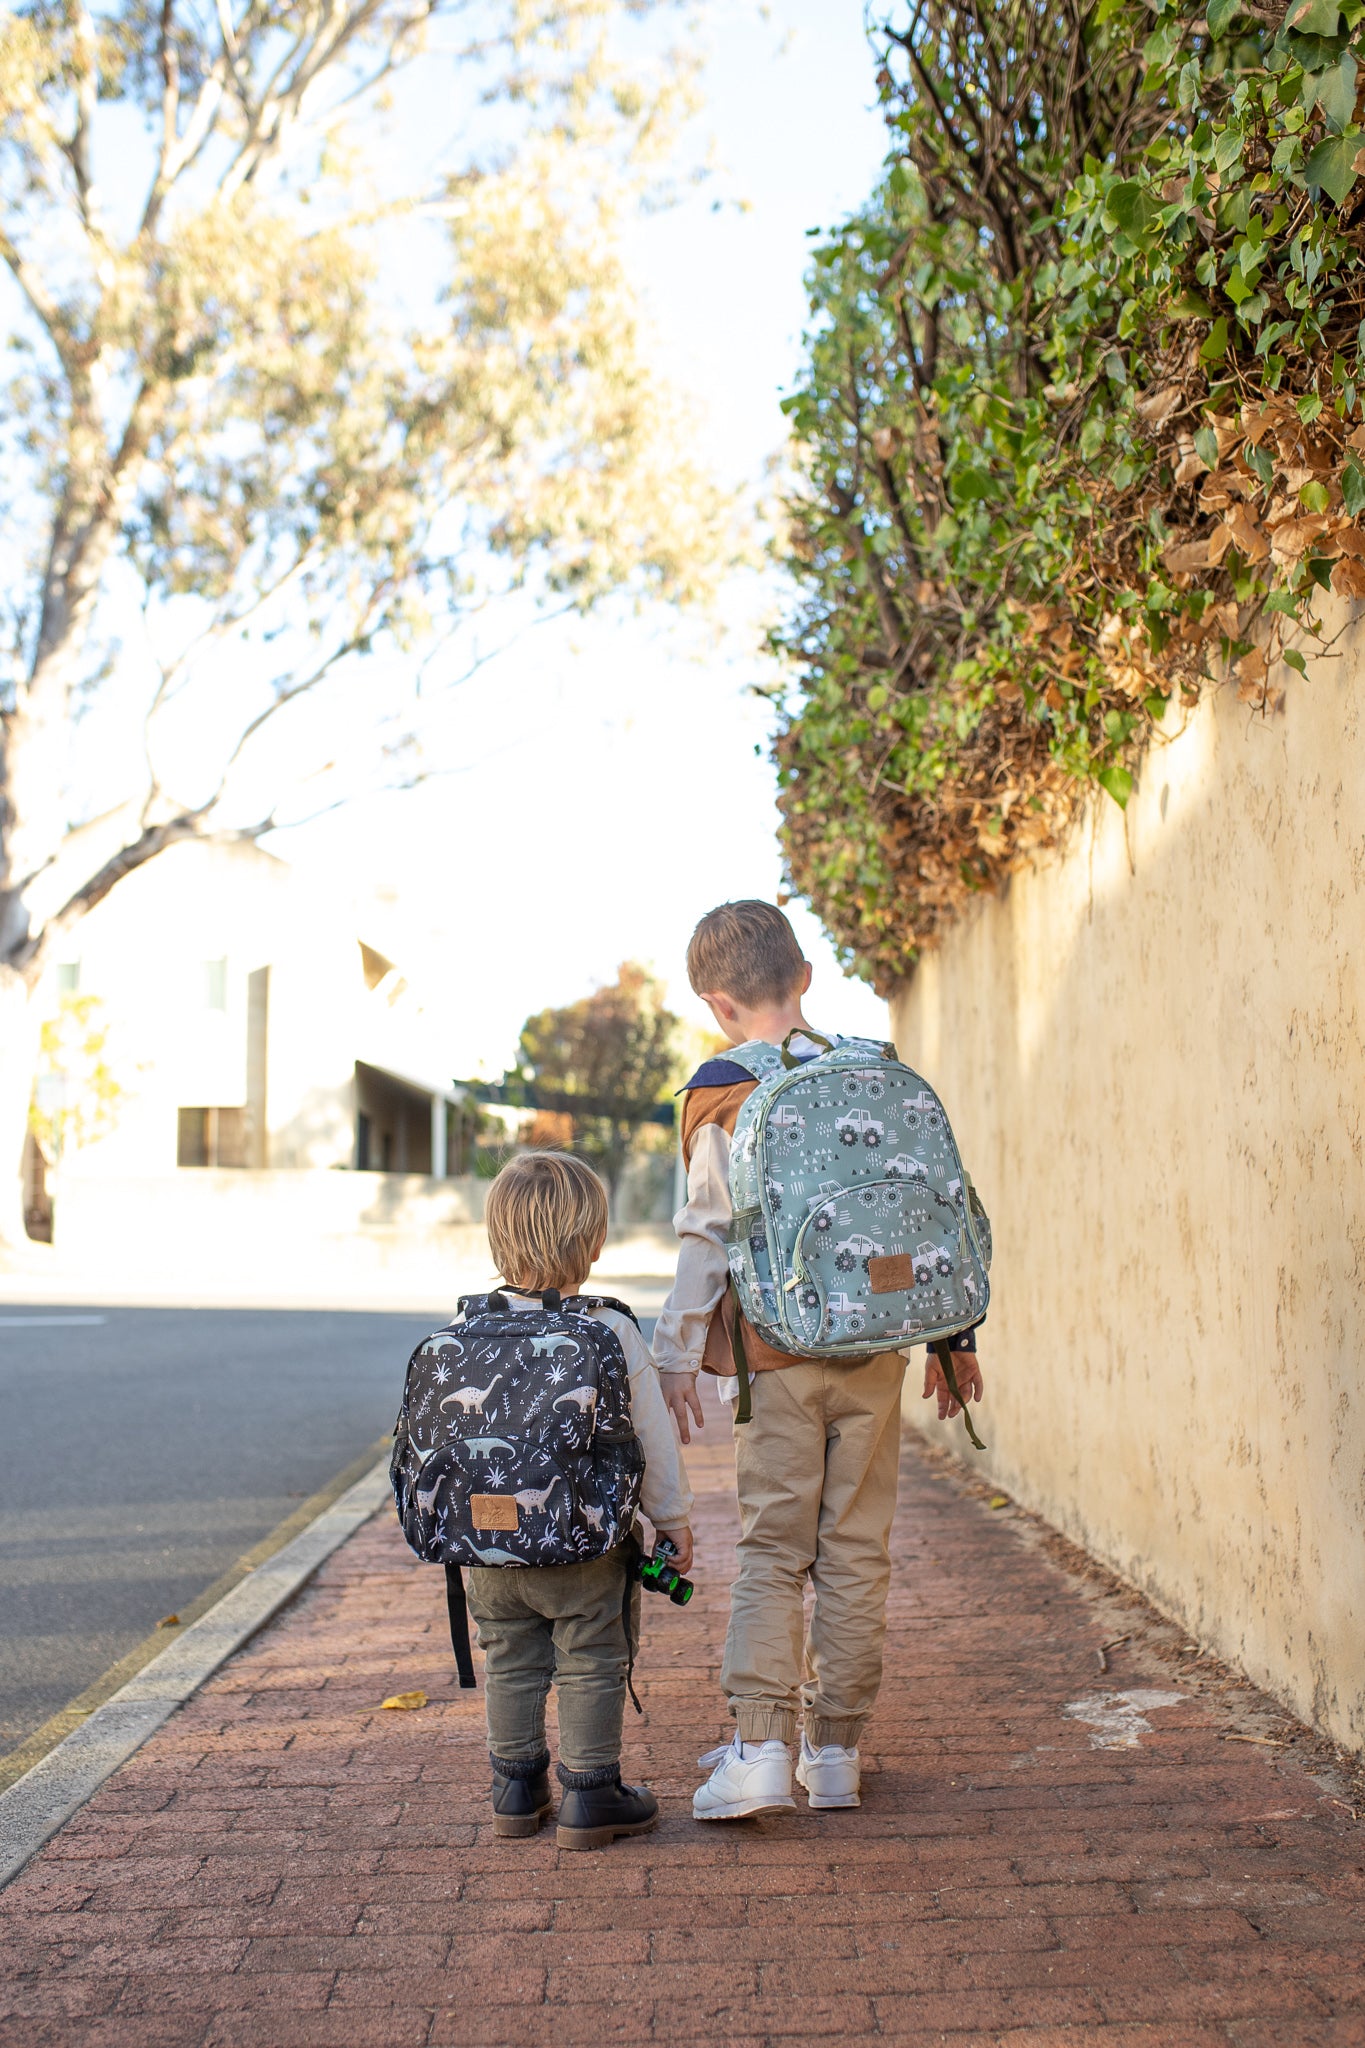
x: 1151, y: 1050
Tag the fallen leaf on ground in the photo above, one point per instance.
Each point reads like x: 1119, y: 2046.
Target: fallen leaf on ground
x: 406, y: 1702
x: 169, y: 1621
x: 1000, y: 1500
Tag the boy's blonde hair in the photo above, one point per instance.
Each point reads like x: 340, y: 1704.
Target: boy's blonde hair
x: 546, y: 1217
x: 746, y: 951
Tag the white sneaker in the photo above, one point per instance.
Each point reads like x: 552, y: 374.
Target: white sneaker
x: 760, y: 1783
x: 832, y: 1776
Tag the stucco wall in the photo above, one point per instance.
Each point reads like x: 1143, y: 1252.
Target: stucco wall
x: 1151, y: 1051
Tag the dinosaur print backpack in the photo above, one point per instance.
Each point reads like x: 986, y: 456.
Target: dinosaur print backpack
x: 514, y: 1444
x: 856, y: 1228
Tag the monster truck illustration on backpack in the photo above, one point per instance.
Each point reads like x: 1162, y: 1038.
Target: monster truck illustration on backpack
x: 923, y: 1109
x: 929, y: 1260
x: 864, y: 1081
x: 853, y: 1318
x: 824, y: 1206
x: 860, y: 1123
x: 905, y: 1166
x: 853, y: 1250
x: 790, y: 1123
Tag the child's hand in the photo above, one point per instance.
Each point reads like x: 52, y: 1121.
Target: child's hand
x: 684, y: 1398
x: 681, y: 1539
x: 967, y: 1367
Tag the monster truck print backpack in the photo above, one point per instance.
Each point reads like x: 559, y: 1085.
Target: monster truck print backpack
x: 514, y: 1444
x: 856, y: 1228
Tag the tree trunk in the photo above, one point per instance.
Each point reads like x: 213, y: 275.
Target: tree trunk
x: 20, y: 1025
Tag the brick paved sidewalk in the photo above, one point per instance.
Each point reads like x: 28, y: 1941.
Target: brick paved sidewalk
x: 284, y: 1864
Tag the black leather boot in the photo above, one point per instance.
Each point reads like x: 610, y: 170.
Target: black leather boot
x: 597, y: 1807
x: 521, y: 1794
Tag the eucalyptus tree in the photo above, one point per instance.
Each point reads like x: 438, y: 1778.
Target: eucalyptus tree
x: 308, y: 369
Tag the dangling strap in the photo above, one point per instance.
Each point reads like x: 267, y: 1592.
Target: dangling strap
x: 943, y: 1352
x: 744, y: 1407
x: 459, y: 1626
x: 633, y: 1554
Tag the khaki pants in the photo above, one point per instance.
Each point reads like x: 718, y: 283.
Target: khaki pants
x: 563, y: 1625
x: 817, y: 1468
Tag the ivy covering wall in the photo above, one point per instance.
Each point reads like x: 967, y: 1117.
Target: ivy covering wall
x: 1081, y: 429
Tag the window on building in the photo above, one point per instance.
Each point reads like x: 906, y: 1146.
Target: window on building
x: 68, y: 977
x: 215, y: 984
x: 211, y: 1136
x: 363, y: 1128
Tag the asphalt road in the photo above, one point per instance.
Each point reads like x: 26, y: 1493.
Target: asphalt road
x: 143, y: 1450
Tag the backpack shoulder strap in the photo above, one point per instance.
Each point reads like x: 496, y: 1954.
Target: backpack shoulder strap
x: 583, y: 1302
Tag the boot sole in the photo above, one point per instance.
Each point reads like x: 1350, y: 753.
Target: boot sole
x: 602, y: 1838
x: 745, y: 1809
x: 516, y: 1826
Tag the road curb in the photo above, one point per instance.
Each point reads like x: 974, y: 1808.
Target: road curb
x: 36, y: 1805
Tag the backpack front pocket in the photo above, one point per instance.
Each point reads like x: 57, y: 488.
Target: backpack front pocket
x: 882, y: 1260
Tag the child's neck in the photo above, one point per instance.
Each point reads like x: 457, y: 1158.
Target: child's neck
x: 769, y: 1026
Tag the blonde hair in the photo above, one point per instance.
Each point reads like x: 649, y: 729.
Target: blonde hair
x: 746, y: 951
x: 546, y: 1218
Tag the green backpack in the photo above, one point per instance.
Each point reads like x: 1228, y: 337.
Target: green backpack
x: 856, y: 1228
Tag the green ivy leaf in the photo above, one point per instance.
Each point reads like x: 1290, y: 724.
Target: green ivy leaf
x: 1353, y: 486
x: 1314, y: 497
x: 1336, y: 91
x: 1206, y: 447
x: 1309, y: 407
x: 1331, y: 167
x: 1216, y: 345
x: 1293, y: 659
x: 1221, y: 14
x: 1118, y: 783
x: 1315, y: 18
x: 1131, y: 207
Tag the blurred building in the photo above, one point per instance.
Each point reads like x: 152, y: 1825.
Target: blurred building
x: 250, y: 1026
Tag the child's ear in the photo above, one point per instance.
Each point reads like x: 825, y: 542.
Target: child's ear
x: 806, y: 974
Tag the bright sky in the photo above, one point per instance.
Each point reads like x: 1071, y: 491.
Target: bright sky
x: 615, y: 776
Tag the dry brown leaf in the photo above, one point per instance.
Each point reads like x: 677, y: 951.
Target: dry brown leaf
x: 1350, y: 540
x: 1187, y: 557
x: 1348, y: 577
x: 885, y: 442
x: 1226, y: 428
x: 1293, y: 536
x: 1189, y: 467
x: 1156, y: 407
x: 1219, y: 541
x: 1226, y: 619
x: 1257, y: 420
x: 1357, y: 440
x: 405, y: 1702
x: 1245, y: 535
x: 1251, y: 671
x: 169, y: 1621
x: 1219, y: 489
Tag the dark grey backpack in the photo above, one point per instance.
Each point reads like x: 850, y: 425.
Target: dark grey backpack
x: 514, y: 1445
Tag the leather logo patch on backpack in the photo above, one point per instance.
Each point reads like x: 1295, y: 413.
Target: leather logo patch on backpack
x: 494, y: 1511
x: 894, y: 1275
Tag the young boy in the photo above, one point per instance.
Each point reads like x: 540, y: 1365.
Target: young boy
x: 816, y: 1465
x: 565, y: 1624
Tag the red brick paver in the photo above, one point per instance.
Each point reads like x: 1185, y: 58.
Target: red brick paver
x: 288, y: 1867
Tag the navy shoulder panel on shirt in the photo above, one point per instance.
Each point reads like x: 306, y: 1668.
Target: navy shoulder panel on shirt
x: 717, y: 1074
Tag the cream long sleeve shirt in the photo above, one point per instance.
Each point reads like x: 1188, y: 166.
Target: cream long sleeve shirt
x: 666, y: 1496
x: 703, y: 1271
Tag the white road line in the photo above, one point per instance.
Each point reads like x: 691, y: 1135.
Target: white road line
x: 36, y: 1805
x: 50, y: 1322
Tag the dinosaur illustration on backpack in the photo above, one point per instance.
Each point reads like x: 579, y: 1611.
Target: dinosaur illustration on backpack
x: 491, y: 1464
x: 855, y: 1227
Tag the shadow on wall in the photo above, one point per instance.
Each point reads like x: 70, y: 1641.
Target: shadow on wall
x: 1151, y: 1048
